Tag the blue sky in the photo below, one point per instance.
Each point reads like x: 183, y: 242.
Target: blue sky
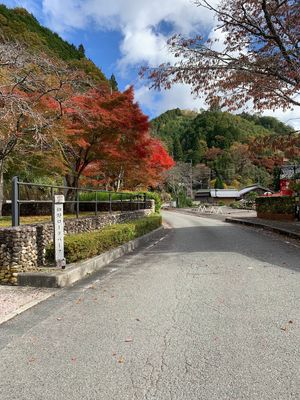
x: 122, y: 35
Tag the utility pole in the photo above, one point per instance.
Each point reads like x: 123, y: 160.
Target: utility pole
x: 191, y: 177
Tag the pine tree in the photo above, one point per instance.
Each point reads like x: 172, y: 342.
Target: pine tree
x: 113, y: 83
x: 81, y: 50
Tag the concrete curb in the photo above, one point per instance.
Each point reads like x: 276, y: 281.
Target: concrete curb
x: 77, y: 271
x: 281, y: 231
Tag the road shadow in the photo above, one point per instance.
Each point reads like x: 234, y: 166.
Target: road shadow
x: 227, y: 238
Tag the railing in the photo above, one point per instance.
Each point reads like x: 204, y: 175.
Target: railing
x: 202, y: 209
x: 126, y: 200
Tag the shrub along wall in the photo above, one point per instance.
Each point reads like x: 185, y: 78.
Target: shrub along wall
x: 277, y: 208
x: 23, y: 248
x: 87, y: 245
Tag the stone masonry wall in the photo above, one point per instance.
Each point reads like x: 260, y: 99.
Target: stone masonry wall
x: 23, y: 248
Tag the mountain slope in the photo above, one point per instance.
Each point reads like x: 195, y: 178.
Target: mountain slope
x: 19, y: 25
x: 210, y: 129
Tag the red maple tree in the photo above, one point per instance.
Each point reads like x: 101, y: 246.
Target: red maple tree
x: 107, y: 139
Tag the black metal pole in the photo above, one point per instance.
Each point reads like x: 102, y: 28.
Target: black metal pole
x: 110, y: 203
x: 15, y: 209
x: 77, y: 203
x: 96, y: 205
x: 52, y: 199
x: 121, y: 202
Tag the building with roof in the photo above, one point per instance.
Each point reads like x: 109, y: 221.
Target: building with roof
x: 228, y: 195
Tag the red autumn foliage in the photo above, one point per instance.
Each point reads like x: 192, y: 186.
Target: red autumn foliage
x: 272, y: 151
x: 108, y: 140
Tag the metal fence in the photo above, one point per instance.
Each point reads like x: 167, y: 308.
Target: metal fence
x: 125, y: 200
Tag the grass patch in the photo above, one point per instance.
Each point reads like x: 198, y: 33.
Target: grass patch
x: 90, y: 244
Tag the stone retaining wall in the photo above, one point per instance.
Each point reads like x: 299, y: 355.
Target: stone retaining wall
x: 23, y: 248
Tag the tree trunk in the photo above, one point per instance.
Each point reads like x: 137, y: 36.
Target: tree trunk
x: 1, y: 187
x: 72, y: 181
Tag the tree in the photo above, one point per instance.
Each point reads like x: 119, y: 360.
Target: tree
x: 95, y: 122
x: 272, y: 151
x: 81, y: 51
x: 108, y: 140
x: 259, y: 59
x: 177, y: 149
x: 138, y: 162
x: 219, y: 184
x: 113, y: 83
x: 201, y: 176
x: 178, y: 180
x: 33, y: 89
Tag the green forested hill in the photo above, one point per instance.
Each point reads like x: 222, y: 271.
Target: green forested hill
x: 19, y: 25
x: 198, y: 132
x: 219, y: 140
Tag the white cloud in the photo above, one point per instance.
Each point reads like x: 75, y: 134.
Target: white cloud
x: 138, y: 20
x: 143, y: 41
x: 178, y: 96
x: 291, y: 117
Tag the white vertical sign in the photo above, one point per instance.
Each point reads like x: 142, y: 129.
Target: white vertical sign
x: 58, y: 220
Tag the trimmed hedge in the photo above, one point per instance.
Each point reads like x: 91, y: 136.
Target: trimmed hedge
x: 90, y: 244
x: 275, y: 205
x: 101, y: 196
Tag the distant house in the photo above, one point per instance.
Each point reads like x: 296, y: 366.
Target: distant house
x: 228, y: 195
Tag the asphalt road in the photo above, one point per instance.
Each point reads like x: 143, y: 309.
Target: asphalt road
x: 211, y: 311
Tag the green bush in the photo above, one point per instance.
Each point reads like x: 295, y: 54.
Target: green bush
x: 104, y: 196
x: 89, y: 244
x: 275, y: 205
x: 156, y: 197
x: 184, y: 201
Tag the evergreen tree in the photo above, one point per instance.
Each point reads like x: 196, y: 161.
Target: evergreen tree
x: 276, y: 179
x: 113, y: 83
x: 219, y: 183
x: 81, y: 50
x: 177, y: 149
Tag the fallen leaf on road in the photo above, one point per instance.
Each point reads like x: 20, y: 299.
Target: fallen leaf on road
x: 92, y: 287
x: 32, y: 359
x: 284, y: 328
x: 128, y: 340
x: 290, y: 321
x: 59, y: 319
x: 79, y: 301
x: 114, y: 353
x: 137, y: 319
x: 121, y: 360
x: 73, y: 359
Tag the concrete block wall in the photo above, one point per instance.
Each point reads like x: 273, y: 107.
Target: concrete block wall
x: 23, y: 248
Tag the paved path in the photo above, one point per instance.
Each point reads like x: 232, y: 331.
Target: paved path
x: 210, y: 312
